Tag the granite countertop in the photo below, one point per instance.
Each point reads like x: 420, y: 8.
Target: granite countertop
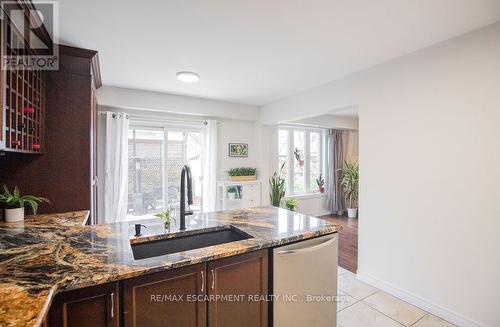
x: 47, y: 254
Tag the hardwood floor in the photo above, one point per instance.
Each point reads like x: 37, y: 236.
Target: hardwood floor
x: 348, y: 241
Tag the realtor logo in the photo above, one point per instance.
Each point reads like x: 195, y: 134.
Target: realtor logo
x: 31, y: 34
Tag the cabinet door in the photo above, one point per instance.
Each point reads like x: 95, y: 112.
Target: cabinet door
x: 171, y: 298
x: 240, y: 277
x: 251, y: 195
x: 2, y: 85
x: 94, y: 306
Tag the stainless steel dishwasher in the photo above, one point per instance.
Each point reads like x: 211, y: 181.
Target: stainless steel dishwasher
x: 305, y: 283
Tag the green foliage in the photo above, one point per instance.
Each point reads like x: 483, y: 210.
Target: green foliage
x: 291, y: 204
x: 350, y: 183
x: 16, y: 200
x: 242, y: 171
x: 165, y: 215
x: 277, y: 186
x: 232, y: 189
x: 298, y: 154
x: 320, y: 180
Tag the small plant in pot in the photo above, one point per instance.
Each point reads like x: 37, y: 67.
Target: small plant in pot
x: 291, y: 204
x: 15, y: 203
x: 166, y: 217
x: 350, y: 184
x: 321, y: 183
x: 298, y: 156
x: 231, y: 192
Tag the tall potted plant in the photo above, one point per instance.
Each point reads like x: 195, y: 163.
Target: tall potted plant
x: 15, y: 203
x: 350, y: 185
x: 277, y: 187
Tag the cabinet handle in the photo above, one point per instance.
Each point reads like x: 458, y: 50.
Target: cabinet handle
x: 213, y: 278
x: 112, y: 295
x: 202, y: 281
x: 309, y: 249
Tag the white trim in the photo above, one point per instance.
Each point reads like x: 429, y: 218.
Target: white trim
x: 305, y: 195
x: 418, y: 301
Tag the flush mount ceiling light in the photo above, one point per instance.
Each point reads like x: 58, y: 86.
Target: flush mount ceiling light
x: 187, y: 77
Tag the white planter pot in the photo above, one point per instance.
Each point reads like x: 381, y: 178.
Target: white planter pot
x: 231, y: 196
x: 13, y: 215
x: 352, y: 212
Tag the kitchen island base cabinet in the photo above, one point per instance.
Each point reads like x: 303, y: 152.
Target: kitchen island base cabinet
x: 246, y: 278
x: 96, y: 306
x: 161, y: 299
x: 223, y: 292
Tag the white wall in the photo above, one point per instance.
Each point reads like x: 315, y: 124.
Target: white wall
x: 234, y: 131
x: 429, y: 199
x: 117, y: 97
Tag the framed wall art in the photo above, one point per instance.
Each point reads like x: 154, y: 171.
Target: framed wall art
x: 238, y: 149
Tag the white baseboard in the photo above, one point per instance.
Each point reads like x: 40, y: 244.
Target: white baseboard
x: 417, y: 301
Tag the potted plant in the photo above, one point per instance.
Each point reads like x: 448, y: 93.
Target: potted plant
x: 291, y: 204
x: 167, y: 217
x: 15, y: 204
x: 298, y: 156
x: 242, y: 174
x: 231, y: 192
x: 321, y: 183
x: 277, y: 187
x: 350, y: 184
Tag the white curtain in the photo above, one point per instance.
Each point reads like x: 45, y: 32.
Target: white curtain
x: 115, y: 167
x: 209, y: 158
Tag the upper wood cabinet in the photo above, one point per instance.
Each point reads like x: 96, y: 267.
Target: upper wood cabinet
x: 97, y: 306
x: 161, y: 299
x: 245, y: 277
x: 69, y: 160
x: 48, y: 121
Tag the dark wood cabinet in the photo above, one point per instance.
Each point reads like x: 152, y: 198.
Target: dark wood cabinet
x: 97, y: 306
x: 69, y: 160
x: 246, y: 278
x: 166, y: 298
x: 48, y: 130
x: 224, y: 292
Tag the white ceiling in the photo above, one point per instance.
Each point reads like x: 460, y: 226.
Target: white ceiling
x: 257, y: 51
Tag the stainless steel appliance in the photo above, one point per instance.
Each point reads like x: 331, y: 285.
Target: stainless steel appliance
x: 305, y: 283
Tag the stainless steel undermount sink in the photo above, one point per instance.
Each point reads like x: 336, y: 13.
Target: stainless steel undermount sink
x: 198, y: 240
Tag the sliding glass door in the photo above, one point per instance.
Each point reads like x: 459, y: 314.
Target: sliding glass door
x: 183, y: 147
x: 156, y: 157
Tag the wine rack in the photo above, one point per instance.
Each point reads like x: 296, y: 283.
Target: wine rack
x: 24, y: 103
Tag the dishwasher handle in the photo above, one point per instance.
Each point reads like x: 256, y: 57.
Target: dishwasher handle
x: 310, y: 248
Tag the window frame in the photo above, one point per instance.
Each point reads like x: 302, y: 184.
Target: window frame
x: 290, y: 129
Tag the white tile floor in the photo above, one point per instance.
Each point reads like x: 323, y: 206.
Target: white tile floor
x: 362, y: 305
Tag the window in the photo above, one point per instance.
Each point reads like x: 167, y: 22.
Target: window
x: 156, y: 156
x: 302, y: 150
